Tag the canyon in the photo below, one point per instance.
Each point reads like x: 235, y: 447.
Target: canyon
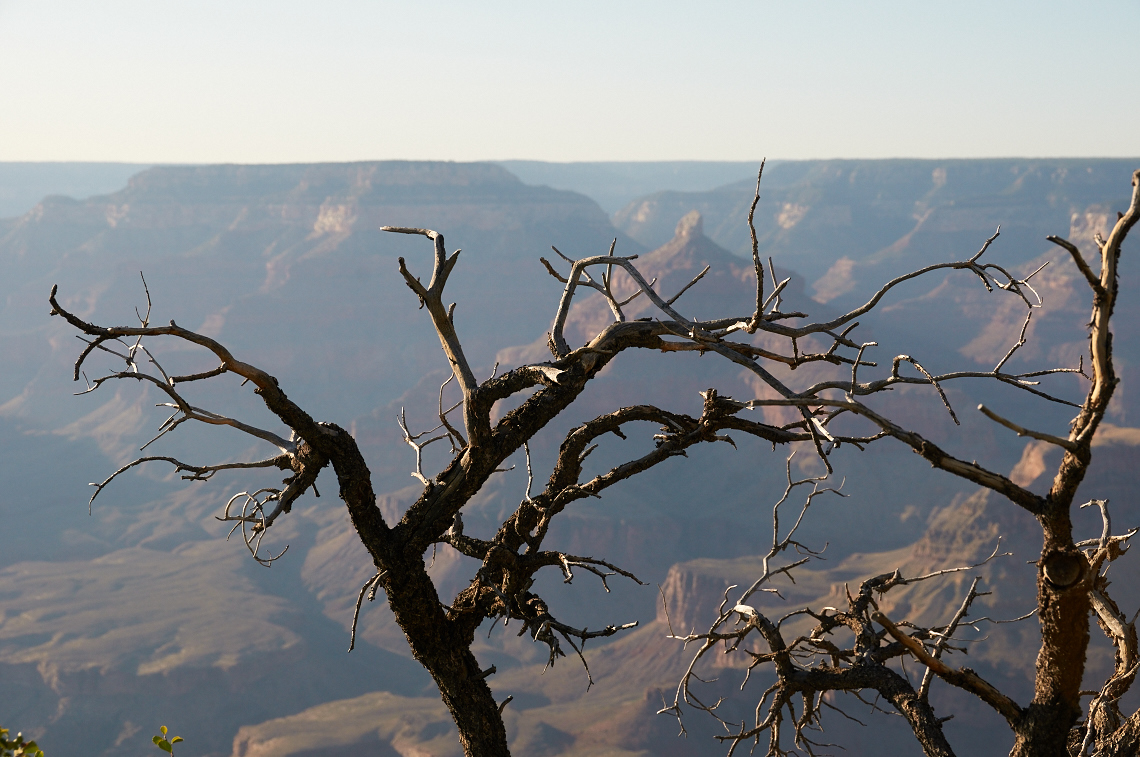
x: 142, y: 612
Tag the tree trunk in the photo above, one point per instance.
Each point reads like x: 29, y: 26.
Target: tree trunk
x: 1063, y: 608
x: 444, y: 648
x: 470, y: 701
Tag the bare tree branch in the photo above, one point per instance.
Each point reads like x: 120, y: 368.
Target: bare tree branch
x: 943, y: 637
x: 1022, y: 431
x: 963, y: 678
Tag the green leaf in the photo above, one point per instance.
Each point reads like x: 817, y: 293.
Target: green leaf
x: 156, y: 739
x: 165, y: 746
x: 163, y: 729
x: 176, y: 739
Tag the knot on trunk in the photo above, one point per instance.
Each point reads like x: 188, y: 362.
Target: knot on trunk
x: 1063, y: 569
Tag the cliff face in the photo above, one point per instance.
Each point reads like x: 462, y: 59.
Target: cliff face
x: 917, y: 211
x: 243, y: 251
x: 136, y: 615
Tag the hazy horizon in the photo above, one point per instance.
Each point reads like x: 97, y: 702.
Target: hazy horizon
x: 611, y: 184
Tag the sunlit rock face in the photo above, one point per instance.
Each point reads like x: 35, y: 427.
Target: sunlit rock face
x: 142, y: 614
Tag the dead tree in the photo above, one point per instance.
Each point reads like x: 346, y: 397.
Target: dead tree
x: 440, y: 634
x: 1071, y: 586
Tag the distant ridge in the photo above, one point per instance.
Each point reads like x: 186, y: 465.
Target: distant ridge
x: 890, y: 214
x: 613, y: 184
x: 22, y: 185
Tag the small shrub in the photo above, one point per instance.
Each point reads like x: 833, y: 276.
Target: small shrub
x: 161, y: 741
x: 17, y: 747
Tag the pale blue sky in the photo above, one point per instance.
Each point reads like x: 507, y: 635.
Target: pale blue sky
x: 285, y: 81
